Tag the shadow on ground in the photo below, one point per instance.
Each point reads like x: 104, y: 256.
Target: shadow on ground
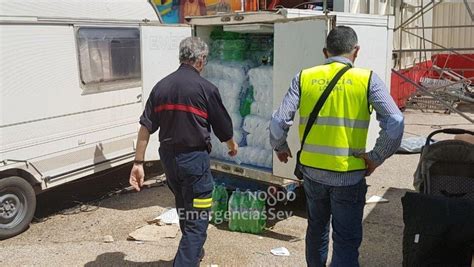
x: 118, y: 259
x: 466, y: 107
x: 383, y: 226
x: 93, y: 191
x: 383, y: 231
x: 267, y: 233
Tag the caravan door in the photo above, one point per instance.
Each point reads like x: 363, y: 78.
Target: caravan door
x: 160, y: 50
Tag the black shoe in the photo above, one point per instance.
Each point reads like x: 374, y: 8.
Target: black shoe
x: 201, y: 256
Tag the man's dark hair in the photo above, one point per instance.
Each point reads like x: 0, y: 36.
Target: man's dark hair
x: 341, y: 40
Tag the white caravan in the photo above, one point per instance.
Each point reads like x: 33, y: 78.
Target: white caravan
x: 73, y: 79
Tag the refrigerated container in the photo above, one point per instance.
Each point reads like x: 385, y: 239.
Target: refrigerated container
x: 297, y: 38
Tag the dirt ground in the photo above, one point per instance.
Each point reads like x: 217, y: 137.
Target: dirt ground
x: 71, y: 221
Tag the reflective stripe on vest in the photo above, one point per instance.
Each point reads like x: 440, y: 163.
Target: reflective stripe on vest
x: 335, y: 121
x: 340, y: 132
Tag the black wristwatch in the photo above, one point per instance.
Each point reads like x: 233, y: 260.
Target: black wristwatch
x: 138, y: 161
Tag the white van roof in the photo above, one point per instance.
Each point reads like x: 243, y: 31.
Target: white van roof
x: 137, y: 10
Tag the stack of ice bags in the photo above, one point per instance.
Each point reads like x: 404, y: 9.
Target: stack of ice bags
x: 252, y: 132
x: 261, y: 79
x: 258, y: 150
x: 229, y: 78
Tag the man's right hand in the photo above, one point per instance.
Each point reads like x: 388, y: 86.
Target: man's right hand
x: 283, y: 155
x: 233, y: 147
x: 137, y: 176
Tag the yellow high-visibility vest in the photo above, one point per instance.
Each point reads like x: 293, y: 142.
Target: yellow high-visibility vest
x: 341, y: 129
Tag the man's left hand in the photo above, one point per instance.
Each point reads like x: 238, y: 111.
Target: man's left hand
x: 370, y: 165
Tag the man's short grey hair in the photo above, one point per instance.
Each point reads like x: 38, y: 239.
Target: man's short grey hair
x: 191, y: 49
x: 341, y: 40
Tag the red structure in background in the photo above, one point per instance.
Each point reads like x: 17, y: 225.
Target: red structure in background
x: 402, y: 90
x: 462, y: 64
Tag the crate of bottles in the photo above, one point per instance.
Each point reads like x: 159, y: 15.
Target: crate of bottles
x: 244, y: 210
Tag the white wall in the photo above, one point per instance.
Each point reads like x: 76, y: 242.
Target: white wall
x: 449, y: 12
x: 96, y: 9
x: 454, y: 14
x: 400, y: 39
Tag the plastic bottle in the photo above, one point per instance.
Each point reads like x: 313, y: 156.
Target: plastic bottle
x: 245, y: 212
x: 215, y: 203
x: 262, y: 219
x: 234, y: 210
x: 254, y: 216
x: 254, y: 213
x: 219, y: 206
x: 246, y: 102
x: 224, y: 197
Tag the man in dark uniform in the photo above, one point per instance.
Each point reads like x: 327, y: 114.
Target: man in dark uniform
x: 185, y: 106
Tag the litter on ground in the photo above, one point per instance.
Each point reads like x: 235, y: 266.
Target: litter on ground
x: 376, y: 199
x: 281, y: 251
x: 153, y: 232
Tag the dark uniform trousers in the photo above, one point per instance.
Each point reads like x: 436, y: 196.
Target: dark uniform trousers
x: 189, y: 178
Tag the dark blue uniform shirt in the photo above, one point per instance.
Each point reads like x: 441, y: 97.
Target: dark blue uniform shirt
x: 184, y: 106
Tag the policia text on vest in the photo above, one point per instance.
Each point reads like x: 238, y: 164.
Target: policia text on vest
x: 323, y: 83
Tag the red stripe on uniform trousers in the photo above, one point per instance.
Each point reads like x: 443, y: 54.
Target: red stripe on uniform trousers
x: 181, y: 107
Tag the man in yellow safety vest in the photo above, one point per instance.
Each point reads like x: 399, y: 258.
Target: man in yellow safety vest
x: 333, y: 162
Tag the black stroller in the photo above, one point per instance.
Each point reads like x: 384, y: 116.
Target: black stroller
x: 446, y: 168
x: 439, y: 221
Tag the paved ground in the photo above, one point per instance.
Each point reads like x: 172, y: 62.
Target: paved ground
x: 71, y: 222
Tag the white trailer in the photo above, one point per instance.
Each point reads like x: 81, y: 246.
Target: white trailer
x: 73, y: 79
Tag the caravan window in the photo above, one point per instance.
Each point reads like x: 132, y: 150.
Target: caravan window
x: 109, y: 57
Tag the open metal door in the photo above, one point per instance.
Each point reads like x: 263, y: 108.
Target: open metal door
x: 298, y: 44
x: 375, y: 39
x: 160, y: 50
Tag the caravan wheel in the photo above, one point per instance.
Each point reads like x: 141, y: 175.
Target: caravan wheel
x: 17, y: 206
